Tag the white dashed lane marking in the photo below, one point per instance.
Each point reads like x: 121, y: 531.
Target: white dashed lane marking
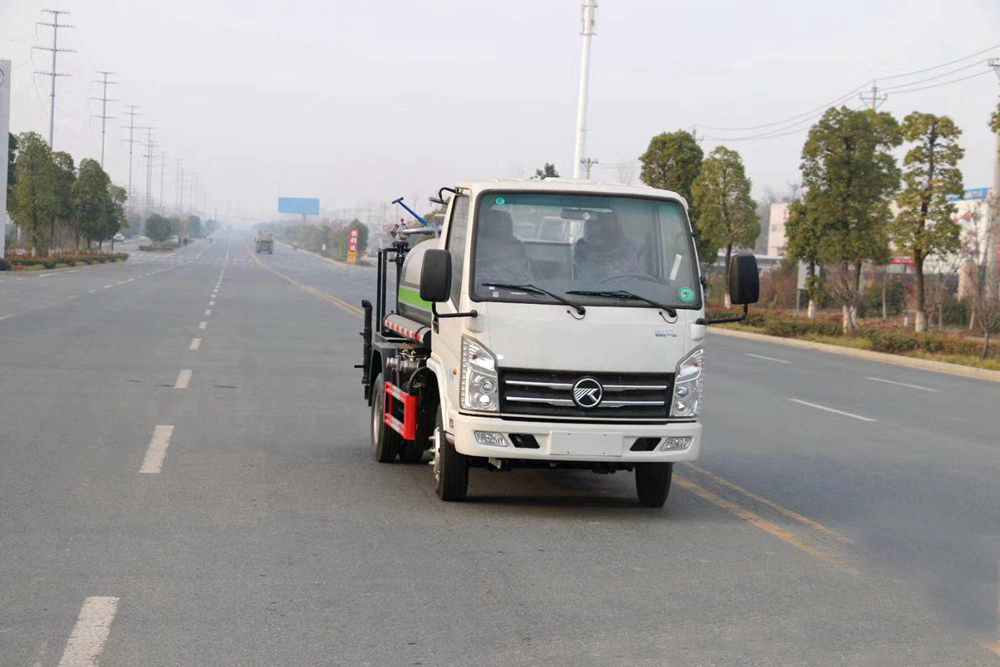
x: 903, y: 384
x: 183, y: 379
x: 93, y: 625
x: 195, y: 344
x: 157, y: 451
x: 833, y: 410
x: 202, y: 325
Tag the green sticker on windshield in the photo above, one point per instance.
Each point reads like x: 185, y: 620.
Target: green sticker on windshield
x: 501, y: 201
x: 686, y: 294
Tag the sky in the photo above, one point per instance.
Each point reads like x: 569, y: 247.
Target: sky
x: 358, y: 102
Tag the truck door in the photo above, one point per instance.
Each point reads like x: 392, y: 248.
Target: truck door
x: 447, y: 340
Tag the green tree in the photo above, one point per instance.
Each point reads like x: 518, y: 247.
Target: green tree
x: 672, y: 162
x: 91, y: 201
x: 11, y: 175
x: 33, y: 200
x: 64, y: 174
x: 547, y: 171
x: 850, y: 174
x: 115, y: 219
x: 803, y: 235
x: 194, y: 226
x: 995, y: 120
x: 923, y: 227
x: 727, y: 214
x: 158, y: 228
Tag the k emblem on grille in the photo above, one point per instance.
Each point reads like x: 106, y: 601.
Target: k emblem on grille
x: 587, y: 392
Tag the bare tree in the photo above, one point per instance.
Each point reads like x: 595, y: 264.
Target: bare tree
x: 985, y: 295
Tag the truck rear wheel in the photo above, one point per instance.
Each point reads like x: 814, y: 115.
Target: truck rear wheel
x: 385, y: 441
x: 652, y: 483
x: 451, y: 469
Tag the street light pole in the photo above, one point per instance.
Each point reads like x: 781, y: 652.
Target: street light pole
x: 587, y: 30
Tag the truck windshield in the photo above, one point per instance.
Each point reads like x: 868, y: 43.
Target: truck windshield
x: 588, y: 246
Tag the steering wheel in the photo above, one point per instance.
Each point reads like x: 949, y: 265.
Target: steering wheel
x: 634, y: 276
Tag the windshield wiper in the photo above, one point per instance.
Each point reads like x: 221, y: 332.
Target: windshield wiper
x: 625, y: 294
x: 538, y: 290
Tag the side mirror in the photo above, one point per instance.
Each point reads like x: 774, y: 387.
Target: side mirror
x: 744, y: 280
x: 435, y: 276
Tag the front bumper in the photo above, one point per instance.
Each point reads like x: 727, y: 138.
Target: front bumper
x: 572, y: 442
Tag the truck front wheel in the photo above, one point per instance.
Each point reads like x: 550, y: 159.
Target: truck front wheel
x: 385, y: 441
x: 652, y: 483
x: 451, y: 469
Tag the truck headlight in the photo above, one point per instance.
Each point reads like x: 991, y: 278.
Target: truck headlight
x: 479, y: 377
x: 687, y: 385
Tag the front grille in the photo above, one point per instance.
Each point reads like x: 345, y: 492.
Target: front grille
x: 549, y: 394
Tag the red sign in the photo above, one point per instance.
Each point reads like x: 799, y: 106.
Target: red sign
x: 353, y: 244
x: 901, y: 260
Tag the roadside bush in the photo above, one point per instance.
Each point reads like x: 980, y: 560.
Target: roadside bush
x: 871, y: 301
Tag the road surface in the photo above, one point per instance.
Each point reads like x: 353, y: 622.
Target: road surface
x: 186, y: 479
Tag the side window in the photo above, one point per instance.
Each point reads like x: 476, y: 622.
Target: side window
x: 458, y: 233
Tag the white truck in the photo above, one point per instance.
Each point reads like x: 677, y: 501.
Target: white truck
x: 546, y: 324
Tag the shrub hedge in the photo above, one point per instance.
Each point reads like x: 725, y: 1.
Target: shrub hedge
x: 56, y: 261
x: 881, y: 338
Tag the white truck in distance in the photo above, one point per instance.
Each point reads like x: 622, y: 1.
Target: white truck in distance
x: 551, y: 323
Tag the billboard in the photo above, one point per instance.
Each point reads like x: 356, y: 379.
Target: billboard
x: 971, y: 195
x: 299, y: 205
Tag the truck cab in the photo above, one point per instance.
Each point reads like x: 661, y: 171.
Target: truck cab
x: 551, y: 323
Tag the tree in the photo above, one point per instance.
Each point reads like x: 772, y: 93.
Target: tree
x: 849, y: 174
x: 803, y: 233
x: 923, y: 227
x: 115, y: 217
x: 158, y: 228
x: 194, y: 227
x: 91, y: 201
x: 672, y: 162
x: 34, y: 189
x: 64, y: 174
x: 547, y: 171
x: 995, y: 120
x: 727, y: 214
x: 11, y: 175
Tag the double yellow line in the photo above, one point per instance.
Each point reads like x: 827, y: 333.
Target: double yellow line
x: 326, y: 296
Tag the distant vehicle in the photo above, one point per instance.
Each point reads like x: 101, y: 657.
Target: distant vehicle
x: 264, y: 243
x: 119, y: 238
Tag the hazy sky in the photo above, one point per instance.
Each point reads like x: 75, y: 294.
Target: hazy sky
x: 358, y: 102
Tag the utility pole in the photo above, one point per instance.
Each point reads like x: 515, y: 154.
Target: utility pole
x: 4, y: 129
x: 149, y: 167
x: 55, y: 25
x: 131, y: 140
x: 587, y: 30
x: 163, y: 170
x: 179, y: 185
x: 993, y: 235
x: 104, y: 107
x: 587, y: 164
x: 873, y: 98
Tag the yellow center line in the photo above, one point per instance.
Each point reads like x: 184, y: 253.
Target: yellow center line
x: 993, y: 646
x: 773, y: 505
x: 315, y: 291
x: 765, y: 525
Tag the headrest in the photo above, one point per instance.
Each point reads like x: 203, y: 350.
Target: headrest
x: 603, y: 227
x: 498, y: 224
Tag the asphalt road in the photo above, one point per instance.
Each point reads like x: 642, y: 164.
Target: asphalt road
x: 185, y: 479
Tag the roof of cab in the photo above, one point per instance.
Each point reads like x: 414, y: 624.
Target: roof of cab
x: 567, y: 185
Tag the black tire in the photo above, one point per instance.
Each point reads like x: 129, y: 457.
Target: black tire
x: 652, y: 483
x: 411, y: 451
x: 451, y: 469
x: 385, y: 441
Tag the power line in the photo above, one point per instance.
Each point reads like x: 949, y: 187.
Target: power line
x: 54, y: 74
x: 851, y: 93
x: 978, y: 63
x: 950, y: 62
x: 104, y: 107
x: 943, y: 83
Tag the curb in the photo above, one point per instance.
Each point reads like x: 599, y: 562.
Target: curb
x: 899, y: 360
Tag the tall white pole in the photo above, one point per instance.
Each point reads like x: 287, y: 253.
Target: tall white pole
x: 587, y: 30
x: 5, y: 142
x: 993, y: 229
